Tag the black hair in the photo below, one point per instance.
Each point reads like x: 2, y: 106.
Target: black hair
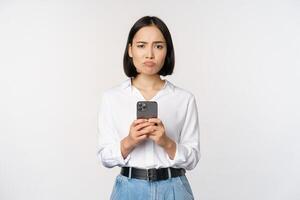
x: 169, y: 63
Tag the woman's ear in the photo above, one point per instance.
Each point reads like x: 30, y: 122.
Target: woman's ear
x: 129, y: 51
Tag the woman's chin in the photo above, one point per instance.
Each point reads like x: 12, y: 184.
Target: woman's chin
x: 149, y: 73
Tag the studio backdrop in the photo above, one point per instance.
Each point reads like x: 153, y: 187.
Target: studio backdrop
x: 240, y: 59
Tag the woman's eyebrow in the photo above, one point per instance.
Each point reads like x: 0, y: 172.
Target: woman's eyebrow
x: 153, y: 42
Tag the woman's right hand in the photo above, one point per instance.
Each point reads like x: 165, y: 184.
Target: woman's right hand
x: 138, y: 133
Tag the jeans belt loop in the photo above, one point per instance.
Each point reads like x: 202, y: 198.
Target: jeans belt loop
x: 129, y: 173
x: 148, y: 175
x: 169, y: 172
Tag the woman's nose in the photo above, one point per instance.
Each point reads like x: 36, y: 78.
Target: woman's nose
x: 150, y: 54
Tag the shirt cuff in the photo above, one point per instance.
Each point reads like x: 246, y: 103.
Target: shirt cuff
x: 111, y: 156
x: 180, y: 155
x: 123, y: 161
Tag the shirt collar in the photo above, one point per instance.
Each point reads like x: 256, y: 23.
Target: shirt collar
x: 127, y: 85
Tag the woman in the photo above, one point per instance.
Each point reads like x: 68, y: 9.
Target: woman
x: 153, y: 153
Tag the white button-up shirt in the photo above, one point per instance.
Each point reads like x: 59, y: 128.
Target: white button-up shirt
x: 177, y: 110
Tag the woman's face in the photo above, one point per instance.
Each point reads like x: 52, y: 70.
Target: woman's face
x: 148, y: 50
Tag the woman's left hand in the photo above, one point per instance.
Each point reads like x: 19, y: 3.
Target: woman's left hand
x: 157, y: 133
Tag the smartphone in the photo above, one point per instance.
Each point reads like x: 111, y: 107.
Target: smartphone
x: 146, y: 109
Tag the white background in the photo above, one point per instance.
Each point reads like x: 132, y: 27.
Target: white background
x: 240, y: 59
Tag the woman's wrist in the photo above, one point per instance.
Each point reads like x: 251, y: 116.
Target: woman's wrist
x: 126, y: 147
x: 170, y: 147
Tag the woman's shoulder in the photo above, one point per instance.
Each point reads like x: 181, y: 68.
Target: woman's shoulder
x: 180, y: 91
x: 117, y: 88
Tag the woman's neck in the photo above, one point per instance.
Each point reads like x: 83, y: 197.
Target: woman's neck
x: 146, y: 82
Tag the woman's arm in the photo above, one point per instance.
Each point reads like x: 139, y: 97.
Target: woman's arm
x: 188, y: 147
x: 109, y: 148
x: 186, y: 152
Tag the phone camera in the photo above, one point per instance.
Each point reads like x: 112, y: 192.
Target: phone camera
x: 142, y: 106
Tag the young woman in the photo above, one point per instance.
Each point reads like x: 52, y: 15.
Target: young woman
x: 154, y: 153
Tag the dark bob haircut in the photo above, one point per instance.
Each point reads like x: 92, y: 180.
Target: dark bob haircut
x: 169, y: 63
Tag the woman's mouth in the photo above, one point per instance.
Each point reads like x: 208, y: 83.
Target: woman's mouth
x: 149, y: 63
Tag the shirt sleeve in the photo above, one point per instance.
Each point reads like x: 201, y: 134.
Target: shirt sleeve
x: 188, y: 147
x: 109, y: 151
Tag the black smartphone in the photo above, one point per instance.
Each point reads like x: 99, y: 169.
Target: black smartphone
x: 146, y: 109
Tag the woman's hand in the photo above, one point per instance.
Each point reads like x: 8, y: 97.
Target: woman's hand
x: 156, y: 131
x: 141, y: 129
x: 158, y: 134
x: 138, y: 133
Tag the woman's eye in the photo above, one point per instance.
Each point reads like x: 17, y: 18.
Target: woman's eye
x: 140, y: 46
x: 159, y: 46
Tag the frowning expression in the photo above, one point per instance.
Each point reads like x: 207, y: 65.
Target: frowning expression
x: 148, y: 50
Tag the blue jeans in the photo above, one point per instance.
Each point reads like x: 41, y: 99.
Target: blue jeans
x: 177, y: 188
